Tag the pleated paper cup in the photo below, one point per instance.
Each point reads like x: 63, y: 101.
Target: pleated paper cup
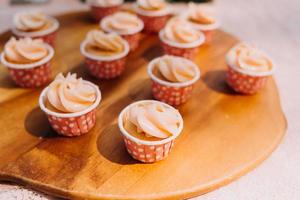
x: 105, y: 67
x: 154, y: 21
x: 99, y: 12
x: 48, y: 35
x: 172, y: 93
x: 31, y: 75
x: 133, y: 37
x: 246, y: 82
x: 147, y: 151
x: 186, y: 50
x: 133, y: 40
x: 71, y: 124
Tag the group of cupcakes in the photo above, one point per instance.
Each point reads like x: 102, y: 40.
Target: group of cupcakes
x: 149, y: 127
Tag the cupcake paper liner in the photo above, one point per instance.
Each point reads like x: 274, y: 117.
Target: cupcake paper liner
x: 100, y: 12
x: 189, y: 53
x: 48, y: 36
x: 153, y: 24
x: 147, y: 151
x: 169, y: 92
x: 31, y: 75
x: 106, y: 69
x: 31, y: 78
x: 72, y: 124
x: 171, y: 95
x: 245, y: 84
x: 133, y: 40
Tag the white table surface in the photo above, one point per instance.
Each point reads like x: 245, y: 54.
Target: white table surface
x: 274, y: 25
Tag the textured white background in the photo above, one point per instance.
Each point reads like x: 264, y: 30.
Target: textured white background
x: 273, y: 25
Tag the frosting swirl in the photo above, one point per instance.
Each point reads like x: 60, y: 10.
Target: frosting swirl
x: 25, y: 50
x: 70, y: 94
x: 152, y: 5
x: 153, y: 120
x: 175, y: 69
x: 99, y: 42
x: 30, y: 21
x: 105, y: 3
x: 248, y: 57
x: 122, y: 22
x: 201, y: 14
x: 179, y: 30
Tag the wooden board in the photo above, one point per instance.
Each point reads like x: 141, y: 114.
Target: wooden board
x: 225, y: 134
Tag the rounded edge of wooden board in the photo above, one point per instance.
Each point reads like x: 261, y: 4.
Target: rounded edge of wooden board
x: 186, y: 193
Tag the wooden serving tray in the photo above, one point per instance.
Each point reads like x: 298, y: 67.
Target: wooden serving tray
x: 225, y: 135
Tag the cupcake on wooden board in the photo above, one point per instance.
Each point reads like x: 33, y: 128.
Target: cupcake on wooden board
x: 179, y: 38
x: 154, y: 13
x: 203, y: 18
x: 173, y: 79
x: 105, y: 54
x: 126, y: 24
x: 35, y: 24
x: 103, y: 8
x: 149, y: 129
x: 248, y: 68
x: 70, y: 104
x: 28, y: 61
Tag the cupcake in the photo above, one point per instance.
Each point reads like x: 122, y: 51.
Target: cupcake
x: 128, y: 25
x: 154, y: 13
x: 70, y: 104
x: 28, y: 61
x: 179, y: 38
x: 149, y: 129
x: 103, y: 8
x: 248, y: 68
x: 173, y: 79
x: 203, y: 19
x: 35, y: 25
x: 105, y: 54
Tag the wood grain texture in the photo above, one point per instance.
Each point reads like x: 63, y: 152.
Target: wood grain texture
x: 225, y: 135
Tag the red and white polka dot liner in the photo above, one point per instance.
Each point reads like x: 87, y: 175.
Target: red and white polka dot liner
x: 105, y: 67
x: 147, y: 151
x: 98, y: 12
x: 31, y: 75
x: 154, y: 21
x: 246, y: 82
x: 189, y: 53
x: 171, y: 95
x: 169, y: 92
x: 48, y: 36
x: 154, y: 24
x: 186, y: 50
x: 71, y: 124
x: 133, y: 40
